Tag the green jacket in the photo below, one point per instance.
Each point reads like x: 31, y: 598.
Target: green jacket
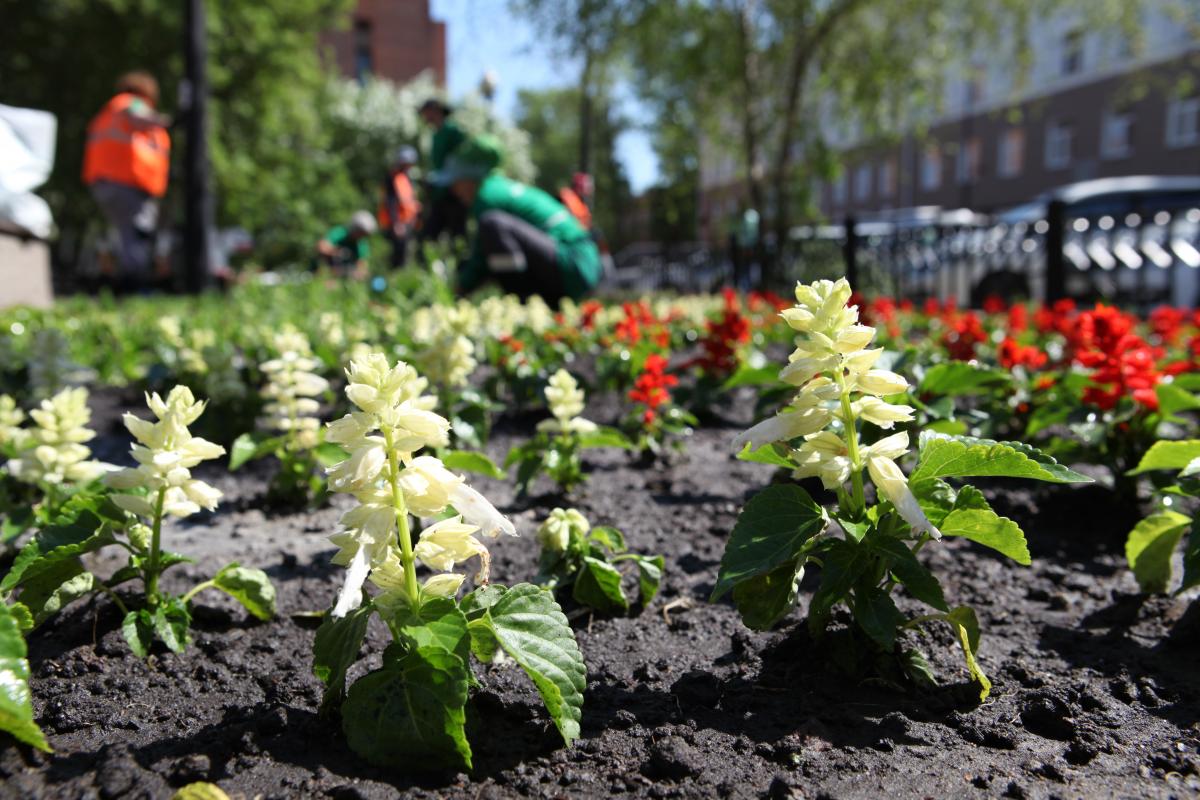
x: 445, y: 140
x: 578, y: 256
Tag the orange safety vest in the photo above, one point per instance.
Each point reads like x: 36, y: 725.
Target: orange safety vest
x: 407, y: 207
x: 122, y: 152
x: 576, y: 206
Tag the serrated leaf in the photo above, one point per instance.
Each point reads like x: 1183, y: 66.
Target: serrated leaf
x: 990, y: 530
x: 410, y: 712
x: 200, y: 791
x: 16, y: 703
x: 55, y: 544
x: 531, y: 628
x: 766, y: 454
x: 876, y: 613
x: 608, y: 537
x: 918, y: 580
x: 957, y: 378
x: 437, y: 623
x: 650, y: 572
x: 763, y: 600
x: 1166, y: 454
x: 138, y: 630
x: 966, y: 625
x: 598, y: 586
x: 842, y: 564
x: 471, y: 461
x: 250, y: 587
x: 171, y: 622
x: 53, y: 589
x: 943, y: 456
x: 483, y: 640
x: 476, y: 602
x: 335, y: 649
x: 772, y: 530
x: 1150, y: 546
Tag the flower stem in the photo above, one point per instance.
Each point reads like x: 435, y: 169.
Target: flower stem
x: 197, y: 589
x: 115, y: 598
x: 856, y: 464
x: 152, y: 568
x: 406, y: 547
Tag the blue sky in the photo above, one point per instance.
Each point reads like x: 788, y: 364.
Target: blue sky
x: 482, y: 34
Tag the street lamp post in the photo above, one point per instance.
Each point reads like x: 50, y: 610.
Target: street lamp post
x: 198, y: 205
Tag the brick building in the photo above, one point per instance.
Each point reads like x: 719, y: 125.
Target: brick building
x: 1088, y: 108
x: 393, y: 39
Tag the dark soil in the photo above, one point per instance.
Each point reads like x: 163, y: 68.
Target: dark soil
x: 1097, y: 688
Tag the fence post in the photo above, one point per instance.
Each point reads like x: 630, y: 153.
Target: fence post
x: 850, y: 253
x: 1056, y: 272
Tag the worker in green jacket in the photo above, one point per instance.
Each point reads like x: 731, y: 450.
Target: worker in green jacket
x: 525, y: 240
x: 445, y: 213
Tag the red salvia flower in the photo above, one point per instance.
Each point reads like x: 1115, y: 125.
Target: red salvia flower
x: 653, y: 387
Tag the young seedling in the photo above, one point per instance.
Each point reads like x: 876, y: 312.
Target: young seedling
x: 411, y: 711
x: 554, y: 449
x: 1151, y: 545
x: 49, y: 573
x: 584, y: 560
x: 829, y: 431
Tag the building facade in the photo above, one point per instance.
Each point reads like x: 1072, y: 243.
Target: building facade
x: 392, y: 39
x: 1088, y: 107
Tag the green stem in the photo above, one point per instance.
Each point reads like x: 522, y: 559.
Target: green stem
x: 856, y: 465
x: 406, y: 547
x: 197, y: 589
x: 108, y: 591
x: 153, y: 568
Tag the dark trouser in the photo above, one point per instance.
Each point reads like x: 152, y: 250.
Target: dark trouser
x: 521, y: 257
x: 399, y: 249
x: 446, y: 215
x: 134, y: 215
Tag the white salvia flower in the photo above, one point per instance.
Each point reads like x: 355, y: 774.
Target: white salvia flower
x: 11, y: 417
x: 53, y: 450
x: 555, y: 533
x: 166, y: 451
x: 831, y: 365
x: 291, y: 386
x: 566, y: 401
x: 390, y: 480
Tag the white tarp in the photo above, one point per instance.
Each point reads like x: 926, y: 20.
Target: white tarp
x: 26, y: 158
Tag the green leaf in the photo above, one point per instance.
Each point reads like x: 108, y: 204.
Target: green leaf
x: 1165, y: 454
x: 938, y: 498
x: 328, y: 454
x: 411, y: 712
x: 16, y: 703
x: 608, y: 537
x: 1191, y: 560
x: 471, y: 461
x: 916, y: 667
x: 605, y: 437
x: 335, y: 649
x: 138, y: 630
x: 918, y: 580
x: 842, y: 564
x: 763, y: 600
x: 772, y: 530
x: 251, y: 447
x: 531, y: 628
x: 966, y: 624
x: 250, y: 587
x: 944, y: 456
x: 990, y: 530
x: 483, y: 640
x: 956, y: 378
x: 1150, y: 545
x: 476, y: 602
x: 171, y: 622
x: 200, y: 791
x: 1173, y: 398
x: 650, y: 572
x: 876, y: 613
x: 55, y: 544
x: 598, y: 586
x: 772, y: 454
x: 53, y: 589
x: 747, y: 375
x: 437, y: 623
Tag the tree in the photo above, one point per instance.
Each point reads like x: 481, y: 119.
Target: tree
x: 550, y: 118
x: 274, y: 170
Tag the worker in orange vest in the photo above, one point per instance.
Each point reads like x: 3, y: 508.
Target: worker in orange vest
x: 399, y: 210
x: 126, y: 165
x: 576, y: 196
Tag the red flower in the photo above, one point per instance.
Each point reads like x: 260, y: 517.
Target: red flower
x: 1056, y: 318
x: 1167, y: 323
x: 965, y: 331
x: 652, y: 387
x: 722, y: 337
x: 588, y: 311
x: 1012, y: 354
x: 1018, y: 318
x: 994, y: 304
x: 1122, y: 363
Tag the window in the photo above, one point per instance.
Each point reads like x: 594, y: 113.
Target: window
x: 931, y: 168
x: 1011, y: 158
x: 1058, y: 145
x: 1116, y: 135
x: 1072, y: 52
x: 887, y: 178
x: 1183, y: 121
x: 968, y: 160
x: 363, y: 62
x: 838, y: 190
x: 862, y: 182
